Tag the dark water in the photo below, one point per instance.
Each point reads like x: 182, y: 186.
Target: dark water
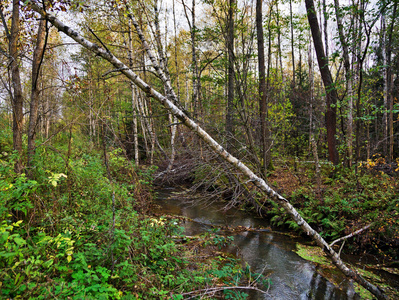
x: 267, y: 252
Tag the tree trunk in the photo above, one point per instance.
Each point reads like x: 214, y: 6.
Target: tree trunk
x: 135, y: 128
x: 164, y: 66
x: 134, y: 99
x: 195, y: 78
x: 348, y: 77
x: 230, y: 74
x: 363, y: 35
x: 390, y: 82
x: 34, y: 99
x: 292, y: 45
x: 176, y: 61
x: 385, y: 91
x: 216, y: 147
x: 17, y: 101
x: 262, y: 85
x: 280, y: 55
x: 325, y: 27
x: 331, y: 92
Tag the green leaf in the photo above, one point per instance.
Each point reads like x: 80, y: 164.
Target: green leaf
x: 19, y: 241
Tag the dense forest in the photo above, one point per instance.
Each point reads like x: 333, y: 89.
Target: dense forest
x: 286, y: 109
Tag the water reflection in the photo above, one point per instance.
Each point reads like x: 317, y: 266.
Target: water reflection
x: 269, y: 253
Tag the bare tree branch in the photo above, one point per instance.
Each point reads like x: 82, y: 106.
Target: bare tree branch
x: 352, y: 234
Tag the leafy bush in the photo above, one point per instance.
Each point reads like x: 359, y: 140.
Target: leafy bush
x: 350, y: 202
x: 71, y: 233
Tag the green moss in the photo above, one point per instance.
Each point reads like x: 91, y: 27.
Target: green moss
x: 363, y: 293
x: 313, y: 254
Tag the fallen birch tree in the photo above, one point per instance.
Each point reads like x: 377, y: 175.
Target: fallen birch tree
x: 170, y: 102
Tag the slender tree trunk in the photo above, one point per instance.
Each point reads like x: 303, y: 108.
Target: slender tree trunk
x: 267, y: 160
x: 34, y: 99
x: 325, y: 27
x: 313, y: 144
x: 280, y: 55
x: 176, y: 58
x: 331, y: 92
x: 262, y: 84
x: 47, y: 116
x: 17, y: 101
x: 292, y: 45
x: 135, y: 128
x: 230, y: 70
x: 196, y: 88
x: 187, y: 93
x: 144, y: 122
x: 311, y: 81
x: 362, y: 54
x: 385, y: 92
x: 348, y: 77
x: 390, y: 82
x: 172, y: 120
x: 195, y: 78
x: 134, y: 99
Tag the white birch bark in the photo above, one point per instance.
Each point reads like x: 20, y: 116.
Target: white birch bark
x: 312, y: 143
x: 172, y: 120
x: 167, y: 83
x: 148, y: 112
x: 144, y: 123
x: 216, y: 147
x: 135, y: 131
x: 134, y: 101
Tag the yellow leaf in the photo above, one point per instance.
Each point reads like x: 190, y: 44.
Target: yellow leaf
x: 69, y: 258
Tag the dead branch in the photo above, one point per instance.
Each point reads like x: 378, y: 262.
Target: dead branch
x: 352, y: 234
x: 211, y: 291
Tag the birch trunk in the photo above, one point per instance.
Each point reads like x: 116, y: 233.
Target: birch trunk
x: 216, y: 147
x: 172, y: 120
x: 143, y: 122
x: 313, y: 144
x: 135, y: 129
x: 164, y: 67
x: 176, y: 62
x: 153, y: 136
x: 134, y: 99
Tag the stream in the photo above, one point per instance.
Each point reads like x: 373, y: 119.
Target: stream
x: 268, y: 252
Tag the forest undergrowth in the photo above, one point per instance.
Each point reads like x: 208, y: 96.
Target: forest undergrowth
x: 68, y: 232
x: 347, y: 200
